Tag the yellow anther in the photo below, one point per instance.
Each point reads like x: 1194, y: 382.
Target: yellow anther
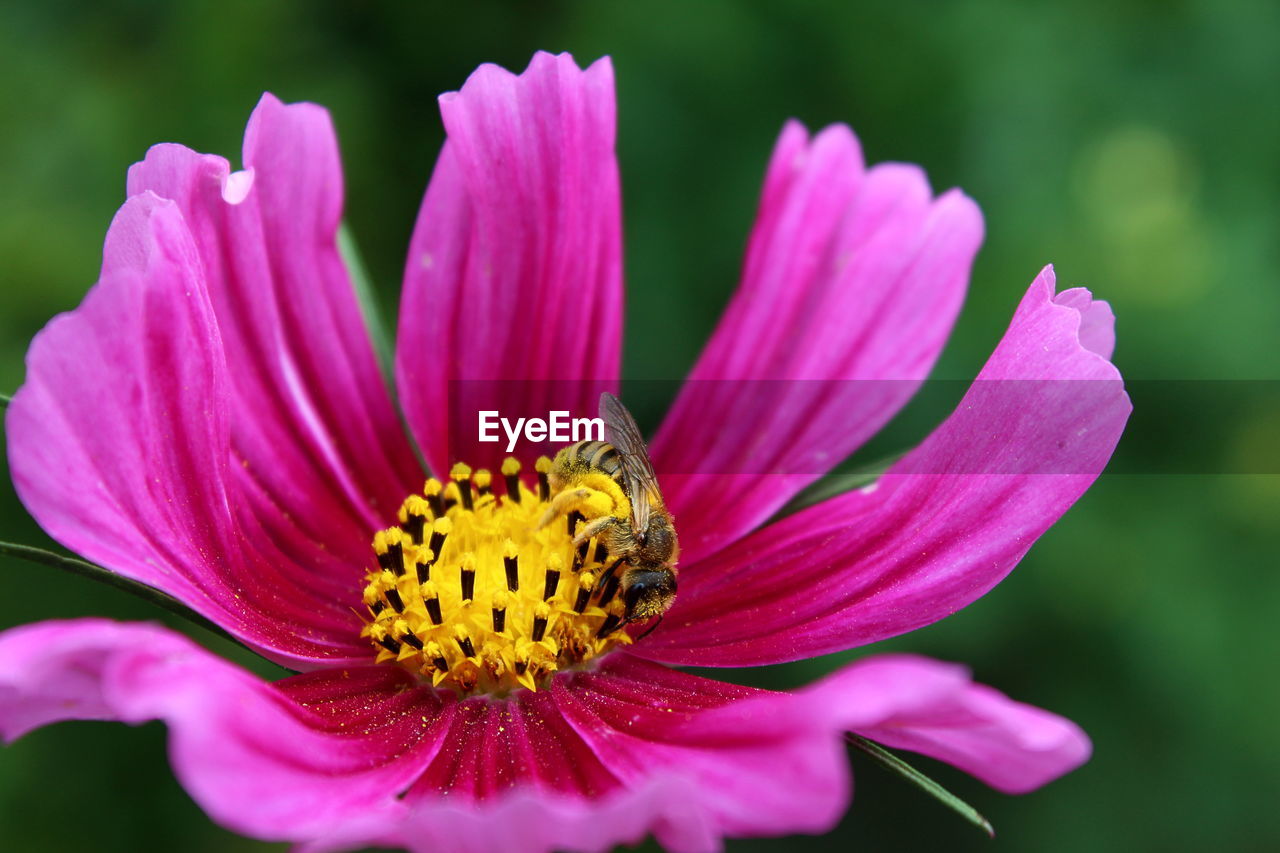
x: 543, y: 465
x: 499, y: 600
x: 510, y: 466
x: 380, y: 542
x: 509, y: 549
x: 413, y: 505
x: 587, y: 581
x: 460, y: 471
x: 443, y: 526
x: 371, y: 594
x: 432, y: 487
x: 482, y: 478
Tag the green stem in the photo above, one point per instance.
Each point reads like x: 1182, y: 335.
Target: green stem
x: 79, y: 567
x: 367, y: 299
x: 5, y: 400
x: 893, y: 763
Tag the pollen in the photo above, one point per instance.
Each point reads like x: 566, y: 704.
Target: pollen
x: 471, y: 595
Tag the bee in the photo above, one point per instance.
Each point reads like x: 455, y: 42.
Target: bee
x: 612, y: 484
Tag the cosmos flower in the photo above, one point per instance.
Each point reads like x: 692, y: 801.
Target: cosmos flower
x: 212, y: 421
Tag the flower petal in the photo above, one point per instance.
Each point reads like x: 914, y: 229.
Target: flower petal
x: 513, y: 286
x: 265, y: 761
x: 607, y: 757
x: 914, y: 703
x: 340, y: 759
x: 851, y: 284
x: 942, y: 527
x: 119, y: 447
x: 322, y: 460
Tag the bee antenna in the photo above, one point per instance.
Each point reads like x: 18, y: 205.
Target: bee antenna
x: 651, y: 628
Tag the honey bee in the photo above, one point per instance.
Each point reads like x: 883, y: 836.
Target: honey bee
x: 612, y: 484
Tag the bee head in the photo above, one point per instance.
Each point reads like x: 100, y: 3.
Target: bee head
x: 648, y: 593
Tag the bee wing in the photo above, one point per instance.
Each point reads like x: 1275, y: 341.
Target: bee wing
x: 621, y: 431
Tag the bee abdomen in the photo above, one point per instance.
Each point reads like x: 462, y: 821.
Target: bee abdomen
x: 599, y: 455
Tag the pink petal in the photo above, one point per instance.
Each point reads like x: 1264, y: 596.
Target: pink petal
x: 945, y: 524
x: 513, y: 286
x: 610, y: 756
x: 598, y: 759
x: 270, y: 763
x: 340, y: 759
x: 914, y: 703
x: 851, y: 284
x: 119, y: 447
x: 320, y: 456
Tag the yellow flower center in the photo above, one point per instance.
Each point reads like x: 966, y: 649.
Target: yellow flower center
x: 472, y: 595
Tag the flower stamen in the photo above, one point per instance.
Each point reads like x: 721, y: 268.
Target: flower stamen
x: 472, y: 594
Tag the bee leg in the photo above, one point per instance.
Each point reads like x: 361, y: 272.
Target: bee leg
x: 650, y: 629
x: 595, y: 527
x: 563, y: 503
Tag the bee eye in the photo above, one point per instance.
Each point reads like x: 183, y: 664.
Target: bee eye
x: 634, y: 593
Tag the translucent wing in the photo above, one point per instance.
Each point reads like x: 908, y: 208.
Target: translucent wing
x: 621, y: 431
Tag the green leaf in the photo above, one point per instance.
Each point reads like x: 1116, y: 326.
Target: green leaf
x: 896, y: 765
x: 838, y: 484
x: 370, y: 309
x: 79, y: 567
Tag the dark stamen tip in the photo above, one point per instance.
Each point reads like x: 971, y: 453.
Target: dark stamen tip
x: 610, y: 589
x: 414, y: 527
x: 610, y: 624
x: 393, y: 598
x: 513, y: 572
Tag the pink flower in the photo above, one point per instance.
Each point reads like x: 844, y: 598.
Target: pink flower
x: 212, y: 422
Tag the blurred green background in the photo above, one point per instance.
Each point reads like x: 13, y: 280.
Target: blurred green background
x: 1133, y: 143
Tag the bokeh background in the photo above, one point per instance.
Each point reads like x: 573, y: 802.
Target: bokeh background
x: 1133, y: 143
